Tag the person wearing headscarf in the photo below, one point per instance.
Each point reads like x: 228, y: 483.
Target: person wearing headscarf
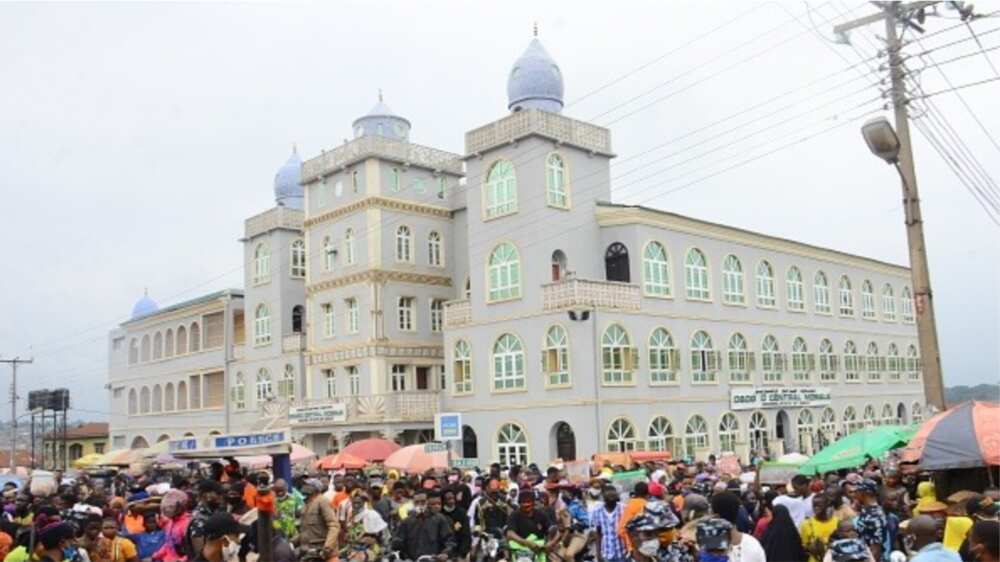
x: 782, y: 541
x: 174, y: 521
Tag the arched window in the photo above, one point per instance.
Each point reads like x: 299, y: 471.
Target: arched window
x: 349, y: 246
x: 403, y: 250
x: 618, y: 357
x: 239, y: 392
x: 870, y: 419
x: 437, y: 315
x: 872, y: 363
x: 144, y: 400
x: 732, y: 281
x: 616, y: 264
x: 846, y: 297
x: 182, y: 340
x: 157, y: 405
x: 772, y: 362
x: 169, y: 395
x: 821, y: 293
x: 656, y: 270
x: 434, y: 249
x: 852, y: 362
x: 806, y: 428
x: 913, y: 366
x: 867, y: 300
x: 695, y: 435
x: 888, y: 415
x: 145, y: 348
x: 168, y: 343
x: 298, y: 259
x: 261, y: 263
x: 512, y: 445
x: 394, y: 181
x: 765, y: 285
x: 555, y: 357
x: 405, y: 309
x: 182, y: 396
x: 906, y: 304
x: 622, y: 436
x: 355, y: 185
x: 888, y: 304
x: 286, y: 386
x: 133, y: 402
x: 133, y: 352
x: 827, y: 362
x: 850, y: 419
x: 329, y: 253
x: 558, y: 265
x: 264, y: 390
x: 508, y: 363
x: 555, y: 181
x: 802, y: 362
x: 893, y: 363
x: 158, y: 346
x: 916, y: 413
x: 663, y: 357
x: 462, y: 368
x: 740, y: 359
x: 261, y: 325
x: 660, y: 436
x: 704, y: 358
x: 827, y: 427
x: 696, y: 275
x: 729, y: 429
x: 352, y: 315
x: 298, y: 316
x: 794, y: 293
x: 759, y: 438
x: 501, y: 190
x: 504, y: 273
x: 195, y: 331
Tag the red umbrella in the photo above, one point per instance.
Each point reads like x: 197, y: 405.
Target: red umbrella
x: 372, y: 450
x: 961, y: 437
x: 414, y: 459
x: 342, y: 459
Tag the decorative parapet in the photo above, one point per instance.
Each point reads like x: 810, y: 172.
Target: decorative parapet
x: 554, y: 126
x: 293, y: 343
x: 385, y: 148
x: 278, y: 217
x: 587, y: 293
x: 363, y: 350
x: 457, y: 313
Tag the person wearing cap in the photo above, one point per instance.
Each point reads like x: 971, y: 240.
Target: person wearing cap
x: 652, y: 533
x: 221, y: 539
x: 743, y: 547
x: 849, y: 549
x: 714, y: 539
x: 319, y: 527
x: 210, y: 501
x: 871, y: 520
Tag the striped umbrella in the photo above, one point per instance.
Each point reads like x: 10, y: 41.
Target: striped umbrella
x: 965, y: 436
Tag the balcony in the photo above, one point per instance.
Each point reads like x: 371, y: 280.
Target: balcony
x: 293, y: 343
x: 457, y: 313
x: 588, y: 293
x: 417, y: 406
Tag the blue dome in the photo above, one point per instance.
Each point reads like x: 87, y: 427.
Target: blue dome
x: 381, y: 121
x: 535, y: 81
x: 144, y: 306
x: 287, y: 191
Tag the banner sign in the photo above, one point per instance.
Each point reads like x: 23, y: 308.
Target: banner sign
x: 186, y: 444
x: 323, y: 413
x: 779, y: 397
x: 247, y: 440
x: 448, y: 427
x: 433, y: 447
x: 464, y: 463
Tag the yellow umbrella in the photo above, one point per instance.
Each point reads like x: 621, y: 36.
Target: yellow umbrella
x: 87, y: 460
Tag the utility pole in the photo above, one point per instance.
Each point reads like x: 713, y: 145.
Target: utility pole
x: 894, y: 13
x: 13, y: 405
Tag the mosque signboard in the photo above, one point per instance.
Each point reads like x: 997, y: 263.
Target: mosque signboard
x: 322, y: 413
x: 780, y: 397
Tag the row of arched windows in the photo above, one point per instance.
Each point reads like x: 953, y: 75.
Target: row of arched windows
x: 404, y: 246
x: 621, y: 359
x: 263, y: 388
x: 166, y: 398
x: 180, y: 341
x: 330, y: 251
x: 261, y: 271
x: 500, y: 187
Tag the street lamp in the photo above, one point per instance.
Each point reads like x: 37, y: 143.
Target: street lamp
x: 881, y: 139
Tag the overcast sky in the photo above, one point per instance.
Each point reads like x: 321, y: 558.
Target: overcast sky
x: 136, y: 138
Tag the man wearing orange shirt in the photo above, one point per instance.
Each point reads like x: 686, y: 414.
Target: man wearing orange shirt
x: 635, y: 506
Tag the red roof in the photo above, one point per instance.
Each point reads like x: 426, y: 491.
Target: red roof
x: 82, y: 431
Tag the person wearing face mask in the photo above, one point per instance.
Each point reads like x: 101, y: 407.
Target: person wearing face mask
x: 235, y: 499
x: 653, y: 533
x: 594, y: 496
x: 923, y: 537
x: 425, y: 532
x: 984, y: 541
x: 871, y: 521
x: 364, y: 532
x: 319, y: 527
x: 459, y: 521
x: 221, y: 539
x: 287, y: 510
x: 210, y: 501
x: 492, y: 510
x: 528, y: 527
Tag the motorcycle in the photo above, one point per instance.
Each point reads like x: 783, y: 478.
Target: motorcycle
x: 489, y: 547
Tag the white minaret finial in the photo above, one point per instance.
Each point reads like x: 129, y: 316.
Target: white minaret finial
x: 536, y: 29
x: 380, y: 95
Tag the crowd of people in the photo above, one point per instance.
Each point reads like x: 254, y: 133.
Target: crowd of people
x: 673, y: 512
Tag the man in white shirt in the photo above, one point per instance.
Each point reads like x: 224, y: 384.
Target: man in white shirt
x: 799, y: 501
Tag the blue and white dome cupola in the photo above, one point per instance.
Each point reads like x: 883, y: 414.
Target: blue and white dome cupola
x: 144, y: 306
x: 381, y: 121
x: 535, y: 81
x: 287, y: 190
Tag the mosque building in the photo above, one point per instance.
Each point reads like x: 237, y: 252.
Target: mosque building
x: 393, y: 281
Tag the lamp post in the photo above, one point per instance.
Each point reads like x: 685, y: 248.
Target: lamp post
x: 883, y: 142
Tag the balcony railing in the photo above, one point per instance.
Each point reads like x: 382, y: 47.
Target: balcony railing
x: 585, y: 293
x: 520, y: 124
x: 457, y: 313
x: 417, y: 406
x: 294, y: 342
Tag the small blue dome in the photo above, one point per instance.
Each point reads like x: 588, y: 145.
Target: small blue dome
x: 287, y: 191
x: 144, y: 306
x: 381, y: 121
x: 535, y: 81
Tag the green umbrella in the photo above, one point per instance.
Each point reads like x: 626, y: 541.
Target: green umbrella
x: 855, y: 449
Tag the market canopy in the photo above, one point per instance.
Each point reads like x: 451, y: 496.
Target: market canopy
x: 340, y: 460
x: 961, y: 437
x: 415, y: 459
x: 856, y: 448
x: 87, y: 460
x: 372, y: 450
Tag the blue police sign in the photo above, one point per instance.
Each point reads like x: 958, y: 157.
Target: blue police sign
x: 237, y: 441
x: 448, y: 427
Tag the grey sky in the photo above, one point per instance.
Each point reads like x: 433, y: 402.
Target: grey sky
x: 135, y: 139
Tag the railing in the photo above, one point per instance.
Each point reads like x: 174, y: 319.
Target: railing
x: 416, y: 406
x: 570, y: 293
x: 374, y: 145
x: 278, y: 217
x: 457, y: 313
x: 294, y: 342
x: 552, y: 125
